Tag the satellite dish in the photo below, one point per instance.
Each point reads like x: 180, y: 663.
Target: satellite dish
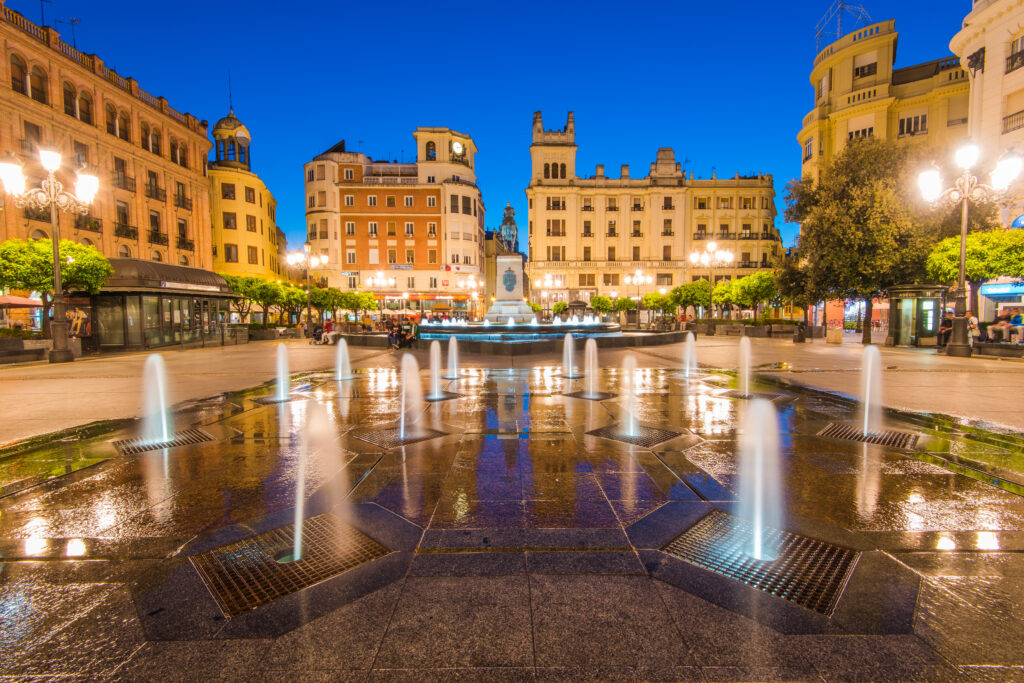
x: 243, y: 138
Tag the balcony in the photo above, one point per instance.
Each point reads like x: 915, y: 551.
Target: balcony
x: 183, y: 202
x: 587, y: 234
x: 667, y: 233
x: 612, y: 233
x: 1015, y: 61
x: 750, y: 264
x: 154, y: 192
x: 1013, y: 122
x: 127, y: 231
x: 725, y: 236
x: 637, y: 233
x: 555, y: 233
x: 124, y: 182
x: 700, y: 235
x: 185, y: 243
x: 89, y: 223
x: 586, y: 208
x: 749, y: 236
x: 611, y: 208
x: 556, y: 206
x: 36, y: 214
x: 157, y: 237
x: 637, y: 207
x: 668, y: 207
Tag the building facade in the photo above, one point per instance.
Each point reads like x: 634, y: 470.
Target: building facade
x: 412, y: 233
x: 858, y: 93
x: 991, y: 50
x: 246, y: 241
x: 153, y: 202
x: 588, y: 234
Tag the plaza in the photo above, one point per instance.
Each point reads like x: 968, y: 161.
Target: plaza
x: 515, y: 545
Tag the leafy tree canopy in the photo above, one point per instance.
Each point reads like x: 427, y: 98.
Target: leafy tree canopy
x: 624, y: 303
x: 601, y: 304
x: 559, y: 307
x: 696, y: 294
x: 989, y: 255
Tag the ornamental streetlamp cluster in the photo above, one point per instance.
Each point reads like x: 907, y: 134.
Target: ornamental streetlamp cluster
x: 309, y: 261
x: 639, y: 279
x: 51, y: 194
x: 711, y: 257
x: 966, y: 188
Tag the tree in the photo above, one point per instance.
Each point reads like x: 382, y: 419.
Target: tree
x: 28, y: 265
x: 536, y: 308
x: 756, y: 289
x: 266, y: 294
x: 243, y: 287
x: 559, y: 307
x: 695, y: 294
x: 365, y: 301
x: 791, y: 281
x: 724, y: 295
x: 861, y: 228
x: 601, y: 304
x: 293, y: 299
x: 989, y: 255
x: 663, y: 303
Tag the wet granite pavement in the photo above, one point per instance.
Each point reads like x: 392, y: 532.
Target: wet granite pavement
x: 518, y: 546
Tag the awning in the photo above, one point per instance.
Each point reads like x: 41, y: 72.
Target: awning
x: 139, y: 275
x: 440, y: 307
x: 11, y: 301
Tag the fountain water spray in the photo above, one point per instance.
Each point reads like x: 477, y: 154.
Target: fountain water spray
x: 156, y: 422
x: 435, y: 371
x: 871, y: 386
x: 590, y: 365
x: 568, y: 360
x: 629, y: 425
x: 453, y: 358
x: 342, y: 365
x: 743, y: 375
x: 318, y: 439
x: 511, y: 322
x: 283, y: 383
x: 689, y: 356
x: 412, y: 397
x: 760, y: 487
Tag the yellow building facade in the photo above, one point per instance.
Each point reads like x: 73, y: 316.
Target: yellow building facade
x: 588, y: 234
x: 153, y: 200
x: 246, y: 239
x: 858, y: 93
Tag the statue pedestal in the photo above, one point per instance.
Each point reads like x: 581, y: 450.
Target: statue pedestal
x: 509, y: 295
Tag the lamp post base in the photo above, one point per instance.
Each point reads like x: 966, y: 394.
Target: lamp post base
x: 61, y: 356
x: 959, y: 350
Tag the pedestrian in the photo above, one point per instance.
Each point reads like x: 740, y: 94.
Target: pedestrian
x: 945, y: 329
x: 973, y: 328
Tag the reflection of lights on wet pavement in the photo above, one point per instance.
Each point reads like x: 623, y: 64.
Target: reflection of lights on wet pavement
x: 460, y: 506
x: 35, y: 546
x: 945, y: 543
x: 987, y: 540
x: 76, y: 548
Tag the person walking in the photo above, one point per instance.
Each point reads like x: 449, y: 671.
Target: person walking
x: 973, y: 328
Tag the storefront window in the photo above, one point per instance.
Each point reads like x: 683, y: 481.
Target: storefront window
x: 151, y: 319
x: 110, y: 320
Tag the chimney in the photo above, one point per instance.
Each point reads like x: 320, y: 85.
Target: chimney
x: 625, y: 171
x: 600, y: 171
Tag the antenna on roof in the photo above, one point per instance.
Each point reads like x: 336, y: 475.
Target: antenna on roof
x: 830, y: 28
x: 42, y: 15
x: 71, y: 21
x: 231, y: 102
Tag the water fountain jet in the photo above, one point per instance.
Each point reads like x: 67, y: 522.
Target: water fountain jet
x: 760, y: 487
x: 342, y: 364
x: 689, y: 356
x: 629, y: 423
x: 156, y: 426
x: 436, y: 392
x: 453, y: 358
x: 283, y: 382
x: 590, y: 364
x: 568, y: 360
x: 743, y: 374
x: 412, y: 398
x: 871, y: 387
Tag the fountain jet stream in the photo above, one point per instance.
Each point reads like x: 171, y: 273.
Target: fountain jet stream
x: 412, y: 397
x: 156, y: 426
x: 590, y: 365
x: 743, y: 374
x: 568, y: 359
x: 871, y: 390
x: 342, y: 364
x: 760, y: 487
x: 689, y: 356
x: 453, y: 358
x: 435, y: 371
x: 283, y: 383
x: 629, y: 424
x: 318, y: 439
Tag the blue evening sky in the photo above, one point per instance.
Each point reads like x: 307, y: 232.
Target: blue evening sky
x: 723, y: 83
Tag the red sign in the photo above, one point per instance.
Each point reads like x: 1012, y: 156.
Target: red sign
x: 444, y: 283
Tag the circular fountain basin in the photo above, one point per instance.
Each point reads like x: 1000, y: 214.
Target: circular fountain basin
x: 523, y: 332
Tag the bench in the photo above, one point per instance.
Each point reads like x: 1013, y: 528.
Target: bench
x: 12, y: 350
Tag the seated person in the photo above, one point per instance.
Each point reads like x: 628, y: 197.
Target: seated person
x: 405, y: 335
x: 1016, y: 326
x: 945, y: 329
x: 998, y: 328
x: 392, y: 330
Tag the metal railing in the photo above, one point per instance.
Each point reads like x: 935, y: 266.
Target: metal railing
x: 89, y: 223
x: 157, y: 237
x: 1013, y: 121
x: 124, y: 182
x: 1015, y: 61
x: 586, y: 208
x: 124, y: 230
x: 667, y: 233
x: 389, y: 180
x: 154, y: 192
x: 36, y: 214
x: 700, y: 235
x: 611, y: 208
x: 183, y: 202
x: 185, y: 243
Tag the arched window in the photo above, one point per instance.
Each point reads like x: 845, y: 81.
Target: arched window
x: 124, y: 130
x: 157, y: 256
x: 547, y: 170
x: 86, y: 242
x: 431, y: 151
x: 183, y: 154
x: 69, y: 99
x: 561, y: 170
x: 38, y: 234
x: 124, y: 252
x: 183, y: 260
x: 154, y: 142
x: 85, y: 108
x: 37, y: 84
x: 231, y: 151
x: 144, y: 135
x: 18, y: 75
x: 111, y: 119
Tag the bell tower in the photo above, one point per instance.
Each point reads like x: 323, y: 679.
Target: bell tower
x: 553, y: 152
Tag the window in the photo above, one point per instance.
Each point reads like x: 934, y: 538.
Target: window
x: 911, y: 125
x: 586, y: 229
x: 352, y: 282
x: 725, y: 202
x: 408, y: 200
x: 666, y: 227
x: 250, y: 195
x: 392, y: 229
x: 81, y: 154
x: 664, y: 279
x: 556, y: 253
x: 409, y: 230
x: 311, y: 202
x: 124, y: 127
x: 122, y: 213
x: 561, y: 171
x: 702, y: 228
x: 862, y: 133
x: 467, y: 206
x: 70, y: 100
x: 556, y: 203
x: 431, y: 255
x: 350, y: 200
x: 611, y: 279
x: 227, y: 190
x: 636, y: 229
x: 746, y: 228
x: 371, y: 200
x: 37, y: 85
x: 253, y: 255
x: 808, y: 149
x: 556, y: 227
x: 747, y: 203
x: 350, y: 227
x: 157, y: 256
x: 321, y: 172
x: 431, y: 201
x: 611, y: 253
x: 33, y: 133
x: 455, y: 203
x: 430, y: 178
x: 701, y: 203
x: 666, y: 204
x: 18, y: 75
x: 433, y: 283
x: 636, y: 253
x: 611, y: 229
x: 666, y: 252
x: 431, y: 151
x: 231, y: 253
x: 350, y: 257
x: 586, y: 253
x: 350, y: 174
x: 230, y: 220
x: 250, y: 223
x: 410, y: 256
x: 865, y: 70
x: 392, y: 256
x: 309, y: 175
x: 124, y: 252
x: 182, y: 228
x: 547, y: 170
x: 373, y: 229
x: 321, y: 198
x: 588, y: 279
x: 323, y: 229
x: 431, y: 229
x: 410, y: 282
x: 389, y: 200
x: 723, y: 228
x: 372, y: 257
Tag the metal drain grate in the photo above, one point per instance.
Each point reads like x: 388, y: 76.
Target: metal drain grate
x: 596, y: 396
x: 886, y: 437
x: 808, y: 572
x: 185, y: 438
x: 245, y: 575
x: 389, y: 438
x: 645, y: 436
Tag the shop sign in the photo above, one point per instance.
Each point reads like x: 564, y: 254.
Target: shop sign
x: 401, y: 266
x: 1003, y: 289
x: 190, y: 286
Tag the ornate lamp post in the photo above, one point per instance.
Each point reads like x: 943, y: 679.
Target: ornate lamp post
x: 967, y: 188
x: 50, y: 193
x: 711, y: 258
x: 638, y: 278
x: 308, y: 261
x: 380, y: 281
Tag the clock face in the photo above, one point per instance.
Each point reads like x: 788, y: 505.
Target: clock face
x: 457, y: 147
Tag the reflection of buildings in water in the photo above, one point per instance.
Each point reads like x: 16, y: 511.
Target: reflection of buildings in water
x: 869, y: 482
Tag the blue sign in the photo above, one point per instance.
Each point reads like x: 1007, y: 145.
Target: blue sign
x: 1018, y: 222
x: 509, y: 280
x: 1003, y: 289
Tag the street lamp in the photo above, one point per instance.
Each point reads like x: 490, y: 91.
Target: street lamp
x: 711, y: 258
x: 967, y: 188
x: 638, y: 278
x: 380, y: 281
x: 50, y: 193
x: 310, y: 261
